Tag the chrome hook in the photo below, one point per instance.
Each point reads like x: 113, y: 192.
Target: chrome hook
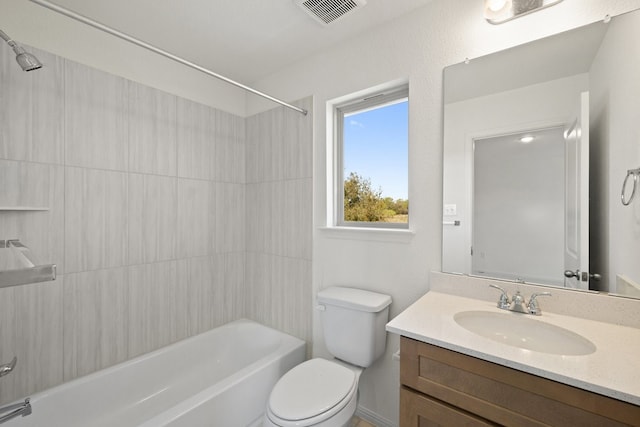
x: 636, y: 174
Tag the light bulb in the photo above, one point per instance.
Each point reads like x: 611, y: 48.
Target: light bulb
x: 495, y: 5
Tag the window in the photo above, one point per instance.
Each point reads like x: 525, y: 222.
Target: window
x: 371, y: 171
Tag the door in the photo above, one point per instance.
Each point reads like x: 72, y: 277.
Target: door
x: 576, y: 254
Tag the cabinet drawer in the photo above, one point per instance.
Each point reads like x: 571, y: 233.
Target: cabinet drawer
x: 504, y: 395
x: 418, y: 410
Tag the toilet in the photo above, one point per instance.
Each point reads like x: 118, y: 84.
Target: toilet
x: 322, y: 392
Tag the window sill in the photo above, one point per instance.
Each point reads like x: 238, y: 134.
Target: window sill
x: 386, y: 235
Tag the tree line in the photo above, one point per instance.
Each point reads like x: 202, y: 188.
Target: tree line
x: 363, y: 203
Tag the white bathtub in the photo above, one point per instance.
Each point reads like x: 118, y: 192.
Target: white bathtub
x: 219, y: 378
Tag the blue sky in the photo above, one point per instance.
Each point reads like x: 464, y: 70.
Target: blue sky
x: 375, y: 147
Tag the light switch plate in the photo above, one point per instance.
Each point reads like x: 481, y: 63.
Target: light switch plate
x: 450, y: 210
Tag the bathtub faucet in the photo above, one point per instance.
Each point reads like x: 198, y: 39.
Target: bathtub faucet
x: 15, y: 410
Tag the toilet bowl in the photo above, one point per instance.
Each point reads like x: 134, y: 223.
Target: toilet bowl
x: 324, y: 393
x: 318, y: 392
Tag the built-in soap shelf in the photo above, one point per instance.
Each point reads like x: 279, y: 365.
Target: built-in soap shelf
x: 23, y: 208
x: 33, y: 272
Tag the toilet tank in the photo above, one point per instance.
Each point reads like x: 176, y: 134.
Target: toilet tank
x: 353, y: 321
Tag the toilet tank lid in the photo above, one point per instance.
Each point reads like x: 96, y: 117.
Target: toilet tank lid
x: 355, y: 299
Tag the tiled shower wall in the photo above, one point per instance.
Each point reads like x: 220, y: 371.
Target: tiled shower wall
x: 279, y: 219
x: 146, y: 219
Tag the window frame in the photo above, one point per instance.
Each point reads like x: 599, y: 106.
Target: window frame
x: 372, y: 100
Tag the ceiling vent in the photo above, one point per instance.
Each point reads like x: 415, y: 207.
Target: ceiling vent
x: 328, y: 11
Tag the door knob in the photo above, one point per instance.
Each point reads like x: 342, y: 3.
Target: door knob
x: 582, y: 276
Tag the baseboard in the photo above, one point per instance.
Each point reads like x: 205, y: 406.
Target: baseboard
x: 373, y: 418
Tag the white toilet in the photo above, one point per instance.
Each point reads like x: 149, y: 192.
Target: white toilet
x: 324, y: 393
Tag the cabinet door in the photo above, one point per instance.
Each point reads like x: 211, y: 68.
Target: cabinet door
x: 504, y: 395
x: 419, y: 410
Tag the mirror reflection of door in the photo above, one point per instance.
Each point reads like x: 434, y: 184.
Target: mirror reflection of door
x: 518, y: 230
x: 576, y: 252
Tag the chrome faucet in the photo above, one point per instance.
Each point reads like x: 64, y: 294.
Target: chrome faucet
x: 518, y: 303
x: 534, y: 307
x: 503, y: 302
x: 15, y: 410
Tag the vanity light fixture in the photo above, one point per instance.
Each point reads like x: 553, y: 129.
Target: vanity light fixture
x: 499, y: 11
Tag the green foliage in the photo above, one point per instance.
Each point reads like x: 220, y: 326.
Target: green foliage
x: 399, y: 206
x: 363, y: 203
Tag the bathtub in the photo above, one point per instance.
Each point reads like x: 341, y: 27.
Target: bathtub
x: 222, y: 377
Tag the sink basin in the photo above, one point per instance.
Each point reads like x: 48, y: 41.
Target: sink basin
x: 520, y: 331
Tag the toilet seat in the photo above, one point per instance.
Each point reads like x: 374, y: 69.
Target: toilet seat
x: 311, y: 393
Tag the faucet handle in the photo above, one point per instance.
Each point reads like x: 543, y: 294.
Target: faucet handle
x: 533, y: 306
x: 503, y: 302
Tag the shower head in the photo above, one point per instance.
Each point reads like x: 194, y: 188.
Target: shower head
x: 27, y: 61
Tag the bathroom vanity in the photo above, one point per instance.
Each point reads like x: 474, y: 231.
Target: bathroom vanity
x: 448, y: 388
x: 451, y: 375
x: 465, y: 359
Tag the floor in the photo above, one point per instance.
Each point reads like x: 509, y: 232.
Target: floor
x: 359, y: 422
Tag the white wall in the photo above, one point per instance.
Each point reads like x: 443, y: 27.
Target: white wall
x: 518, y: 207
x: 616, y: 148
x: 416, y: 47
x: 501, y: 113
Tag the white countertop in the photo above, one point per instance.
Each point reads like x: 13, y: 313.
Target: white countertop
x: 612, y: 370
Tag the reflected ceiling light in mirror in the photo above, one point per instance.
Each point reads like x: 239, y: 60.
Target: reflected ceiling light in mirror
x: 527, y: 139
x: 499, y: 11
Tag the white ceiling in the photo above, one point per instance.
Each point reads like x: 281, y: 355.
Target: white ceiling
x: 242, y: 39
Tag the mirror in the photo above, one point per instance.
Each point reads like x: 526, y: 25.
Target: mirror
x: 538, y: 140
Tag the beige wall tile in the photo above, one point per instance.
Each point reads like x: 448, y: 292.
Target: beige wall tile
x: 279, y: 293
x: 158, y: 309
x: 279, y: 219
x: 235, y: 292
x: 205, y: 292
x: 229, y: 219
x: 298, y: 142
x: 194, y: 218
x: 32, y: 109
x: 95, y: 118
x: 229, y: 156
x: 95, y: 219
x: 196, y: 138
x: 258, y: 216
x: 152, y: 131
x: 26, y: 184
x: 297, y: 218
x: 95, y: 321
x: 31, y: 329
x: 152, y: 218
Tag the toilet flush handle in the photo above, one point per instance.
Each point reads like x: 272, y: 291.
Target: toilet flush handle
x: 321, y: 307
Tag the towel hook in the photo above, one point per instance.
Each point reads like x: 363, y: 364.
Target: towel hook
x: 636, y: 175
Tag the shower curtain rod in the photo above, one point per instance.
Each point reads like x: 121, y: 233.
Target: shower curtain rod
x: 164, y: 53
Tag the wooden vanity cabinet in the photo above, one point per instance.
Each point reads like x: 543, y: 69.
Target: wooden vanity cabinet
x: 440, y: 387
